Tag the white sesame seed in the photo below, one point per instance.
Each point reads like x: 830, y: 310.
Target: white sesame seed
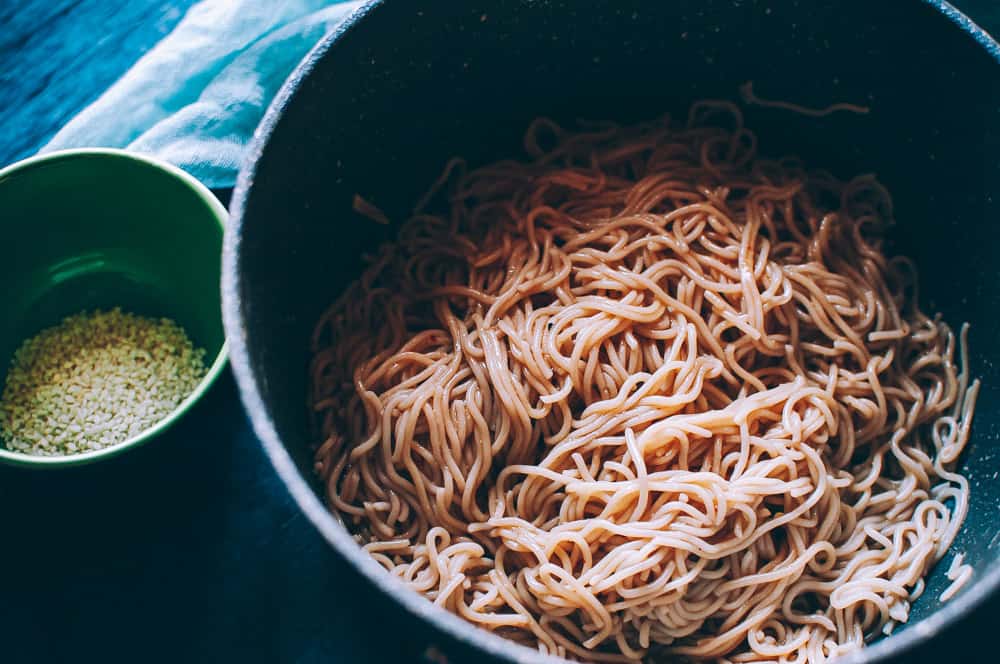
x: 95, y: 380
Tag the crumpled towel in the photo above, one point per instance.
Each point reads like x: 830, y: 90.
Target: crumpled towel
x: 195, y: 99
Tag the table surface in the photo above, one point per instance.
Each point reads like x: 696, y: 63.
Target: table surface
x: 190, y: 549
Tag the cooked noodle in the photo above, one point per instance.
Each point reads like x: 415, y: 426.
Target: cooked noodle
x: 959, y: 574
x: 366, y: 209
x: 647, y: 392
x: 747, y: 93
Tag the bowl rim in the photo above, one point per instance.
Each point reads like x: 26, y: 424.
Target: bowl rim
x: 219, y: 213
x: 472, y: 636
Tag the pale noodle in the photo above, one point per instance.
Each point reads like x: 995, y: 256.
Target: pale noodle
x: 750, y: 98
x: 959, y: 574
x: 647, y: 393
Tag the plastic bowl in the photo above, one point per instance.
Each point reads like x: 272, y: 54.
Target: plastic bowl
x: 99, y: 228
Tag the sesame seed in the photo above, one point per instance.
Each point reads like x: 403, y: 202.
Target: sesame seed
x: 95, y: 380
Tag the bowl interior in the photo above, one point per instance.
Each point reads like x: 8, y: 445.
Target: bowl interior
x: 406, y: 87
x: 91, y: 230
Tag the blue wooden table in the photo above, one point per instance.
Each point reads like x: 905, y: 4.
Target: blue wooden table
x: 190, y: 549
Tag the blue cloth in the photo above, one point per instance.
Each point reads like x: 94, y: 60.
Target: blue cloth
x: 58, y: 56
x: 197, y: 96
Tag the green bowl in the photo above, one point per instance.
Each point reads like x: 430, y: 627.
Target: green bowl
x: 98, y: 228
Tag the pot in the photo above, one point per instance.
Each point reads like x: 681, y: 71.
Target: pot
x: 378, y: 107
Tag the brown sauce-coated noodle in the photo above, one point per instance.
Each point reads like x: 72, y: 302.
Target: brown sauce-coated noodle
x: 647, y: 394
